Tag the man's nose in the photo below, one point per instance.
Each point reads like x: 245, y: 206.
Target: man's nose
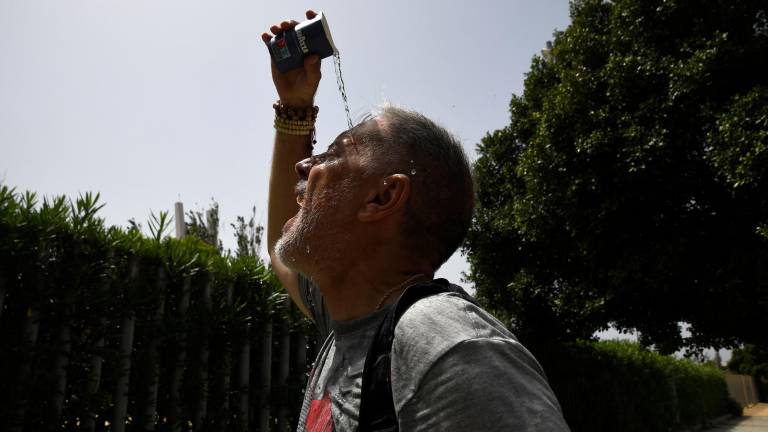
x: 303, y: 167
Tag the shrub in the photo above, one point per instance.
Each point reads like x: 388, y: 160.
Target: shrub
x: 618, y: 385
x: 78, y: 298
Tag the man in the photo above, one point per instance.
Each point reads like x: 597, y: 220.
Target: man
x: 378, y: 212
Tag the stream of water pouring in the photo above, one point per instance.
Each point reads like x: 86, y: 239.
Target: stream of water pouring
x: 340, y: 84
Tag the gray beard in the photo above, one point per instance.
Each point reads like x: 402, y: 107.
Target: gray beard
x: 289, y: 246
x: 316, y: 240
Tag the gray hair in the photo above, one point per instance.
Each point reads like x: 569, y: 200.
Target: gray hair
x: 439, y: 211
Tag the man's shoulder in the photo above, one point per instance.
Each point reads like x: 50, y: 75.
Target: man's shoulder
x: 429, y: 329
x: 440, y: 321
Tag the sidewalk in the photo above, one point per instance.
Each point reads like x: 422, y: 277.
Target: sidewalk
x: 755, y: 419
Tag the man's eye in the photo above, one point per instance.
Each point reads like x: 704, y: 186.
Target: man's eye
x: 322, y: 157
x: 331, y: 153
x: 333, y: 149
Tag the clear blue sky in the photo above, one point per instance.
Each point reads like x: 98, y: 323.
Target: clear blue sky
x: 149, y: 102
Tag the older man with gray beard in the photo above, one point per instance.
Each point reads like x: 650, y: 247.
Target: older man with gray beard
x: 350, y: 231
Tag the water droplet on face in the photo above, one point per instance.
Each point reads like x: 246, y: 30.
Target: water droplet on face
x: 413, y: 172
x: 411, y: 160
x: 307, y: 249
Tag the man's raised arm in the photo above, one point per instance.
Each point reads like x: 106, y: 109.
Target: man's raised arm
x: 296, y: 90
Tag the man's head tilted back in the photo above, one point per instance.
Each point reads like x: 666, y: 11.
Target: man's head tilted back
x: 398, y: 188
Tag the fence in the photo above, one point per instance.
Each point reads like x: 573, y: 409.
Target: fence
x: 742, y: 389
x: 107, y: 329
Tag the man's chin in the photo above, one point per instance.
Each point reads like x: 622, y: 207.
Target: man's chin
x: 283, y: 256
x: 284, y: 253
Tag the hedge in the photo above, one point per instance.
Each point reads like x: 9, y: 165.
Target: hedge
x: 619, y: 385
x: 104, y: 328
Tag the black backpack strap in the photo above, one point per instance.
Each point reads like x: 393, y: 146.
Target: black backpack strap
x: 377, y: 406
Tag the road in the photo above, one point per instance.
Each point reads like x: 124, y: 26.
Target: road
x: 755, y: 419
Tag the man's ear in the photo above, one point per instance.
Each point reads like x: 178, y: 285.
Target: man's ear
x: 386, y: 198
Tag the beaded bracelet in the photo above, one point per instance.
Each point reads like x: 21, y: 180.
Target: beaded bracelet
x: 288, y: 113
x: 295, y: 122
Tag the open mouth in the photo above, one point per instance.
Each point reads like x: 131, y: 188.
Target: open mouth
x: 301, y: 189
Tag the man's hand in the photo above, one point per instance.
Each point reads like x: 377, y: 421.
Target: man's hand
x: 295, y: 88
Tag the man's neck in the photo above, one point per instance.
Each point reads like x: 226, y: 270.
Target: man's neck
x: 360, y: 291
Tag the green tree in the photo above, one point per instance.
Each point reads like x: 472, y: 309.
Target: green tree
x: 205, y: 226
x: 248, y: 235
x: 631, y: 186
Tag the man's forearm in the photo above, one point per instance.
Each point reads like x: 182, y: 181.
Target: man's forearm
x: 288, y: 150
x: 296, y: 92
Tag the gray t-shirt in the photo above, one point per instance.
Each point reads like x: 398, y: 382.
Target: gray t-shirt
x: 454, y: 367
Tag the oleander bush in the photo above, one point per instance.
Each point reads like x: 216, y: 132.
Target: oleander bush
x: 103, y: 325
x: 619, y: 385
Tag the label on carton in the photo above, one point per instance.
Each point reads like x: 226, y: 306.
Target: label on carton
x: 281, y: 50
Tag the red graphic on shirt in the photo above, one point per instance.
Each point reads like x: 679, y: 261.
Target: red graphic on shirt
x: 319, y: 416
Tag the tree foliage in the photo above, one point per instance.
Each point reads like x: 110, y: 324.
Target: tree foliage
x: 631, y: 185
